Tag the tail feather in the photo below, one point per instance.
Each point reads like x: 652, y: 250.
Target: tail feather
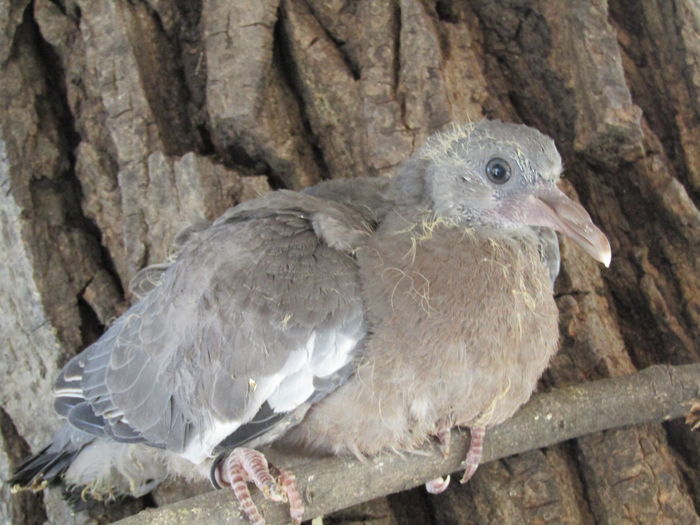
x: 39, y: 470
x: 50, y: 463
x: 92, y: 466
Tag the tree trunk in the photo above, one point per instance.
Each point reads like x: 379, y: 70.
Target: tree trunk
x: 123, y: 121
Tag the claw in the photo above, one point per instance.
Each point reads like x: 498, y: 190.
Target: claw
x: 437, y: 485
x: 274, y: 493
x: 444, y: 437
x: 476, y: 444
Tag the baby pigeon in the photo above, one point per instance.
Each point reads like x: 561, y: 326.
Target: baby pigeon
x: 357, y: 316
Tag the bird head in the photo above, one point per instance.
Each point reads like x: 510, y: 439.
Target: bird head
x: 503, y: 176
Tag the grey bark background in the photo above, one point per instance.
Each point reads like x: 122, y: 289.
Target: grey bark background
x: 123, y: 121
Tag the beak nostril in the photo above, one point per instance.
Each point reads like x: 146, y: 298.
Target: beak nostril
x: 573, y: 212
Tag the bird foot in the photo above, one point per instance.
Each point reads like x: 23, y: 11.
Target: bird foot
x: 476, y: 445
x: 245, y: 465
x: 437, y: 485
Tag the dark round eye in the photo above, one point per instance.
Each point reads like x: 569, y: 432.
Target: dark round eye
x: 498, y: 171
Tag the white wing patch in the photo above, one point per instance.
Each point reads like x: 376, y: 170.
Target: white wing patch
x: 292, y: 392
x: 284, y: 391
x: 338, y: 358
x: 295, y: 388
x: 200, y: 446
x: 296, y: 373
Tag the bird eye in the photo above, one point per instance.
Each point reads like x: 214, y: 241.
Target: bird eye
x: 498, y: 171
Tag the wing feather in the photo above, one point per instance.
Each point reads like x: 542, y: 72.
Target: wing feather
x: 259, y: 316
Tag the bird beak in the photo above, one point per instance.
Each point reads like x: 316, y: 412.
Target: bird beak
x: 551, y: 208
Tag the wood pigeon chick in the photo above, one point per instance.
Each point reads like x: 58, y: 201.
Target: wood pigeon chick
x: 355, y: 317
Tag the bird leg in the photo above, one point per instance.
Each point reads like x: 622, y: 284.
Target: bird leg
x: 444, y: 437
x: 476, y: 444
x: 244, y: 465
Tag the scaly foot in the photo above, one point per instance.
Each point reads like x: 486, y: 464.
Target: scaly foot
x: 244, y: 465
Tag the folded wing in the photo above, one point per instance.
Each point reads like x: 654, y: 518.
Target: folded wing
x: 259, y: 317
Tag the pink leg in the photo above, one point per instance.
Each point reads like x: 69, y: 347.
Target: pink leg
x: 476, y: 444
x: 244, y: 465
x: 233, y: 475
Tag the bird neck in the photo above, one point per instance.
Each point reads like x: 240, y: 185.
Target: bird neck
x: 417, y: 225
x: 407, y: 188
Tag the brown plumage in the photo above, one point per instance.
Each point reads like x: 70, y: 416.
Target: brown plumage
x: 483, y: 326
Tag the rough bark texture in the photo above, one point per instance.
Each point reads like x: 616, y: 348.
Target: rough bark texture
x: 123, y: 121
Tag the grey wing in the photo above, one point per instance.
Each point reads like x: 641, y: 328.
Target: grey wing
x: 365, y: 194
x: 549, y: 251
x: 257, y: 318
x: 149, y: 277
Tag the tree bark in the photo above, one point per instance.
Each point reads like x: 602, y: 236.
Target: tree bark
x: 121, y: 122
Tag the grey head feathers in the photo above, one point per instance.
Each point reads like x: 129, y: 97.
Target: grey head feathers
x: 452, y: 173
x: 499, y: 177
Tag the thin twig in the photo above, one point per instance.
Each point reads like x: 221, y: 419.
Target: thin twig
x: 655, y: 394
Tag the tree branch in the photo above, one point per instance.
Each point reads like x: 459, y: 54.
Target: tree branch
x: 655, y: 394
